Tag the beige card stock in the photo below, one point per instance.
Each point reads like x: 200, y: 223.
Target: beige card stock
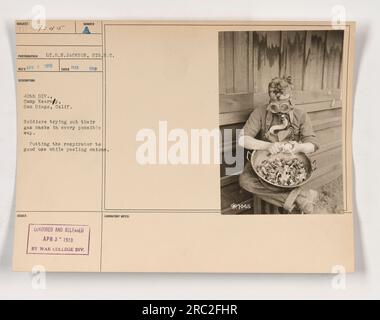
x: 87, y: 90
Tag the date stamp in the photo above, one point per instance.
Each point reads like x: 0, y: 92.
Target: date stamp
x: 58, y: 239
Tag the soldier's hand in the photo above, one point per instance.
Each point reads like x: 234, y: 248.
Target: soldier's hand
x: 297, y: 147
x: 275, y: 147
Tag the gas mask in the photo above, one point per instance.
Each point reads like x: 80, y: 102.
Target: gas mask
x: 283, y: 131
x: 281, y: 107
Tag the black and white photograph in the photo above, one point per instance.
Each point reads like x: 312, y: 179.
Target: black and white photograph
x: 280, y: 109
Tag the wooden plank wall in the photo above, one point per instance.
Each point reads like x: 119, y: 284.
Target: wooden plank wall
x: 249, y: 60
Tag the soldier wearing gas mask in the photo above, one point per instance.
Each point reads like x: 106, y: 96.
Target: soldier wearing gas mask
x: 277, y: 127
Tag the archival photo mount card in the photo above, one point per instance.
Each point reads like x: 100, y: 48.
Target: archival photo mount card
x: 184, y: 146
